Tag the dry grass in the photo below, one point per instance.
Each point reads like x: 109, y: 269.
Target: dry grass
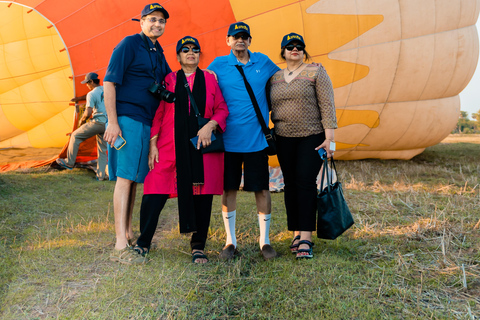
x: 414, y: 252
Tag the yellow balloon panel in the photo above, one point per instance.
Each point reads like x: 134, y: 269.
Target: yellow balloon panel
x: 432, y: 121
x: 415, y: 124
x: 246, y: 9
x: 37, y: 100
x: 380, y: 75
x: 291, y: 18
x: 35, y: 80
x: 53, y: 131
x: 467, y: 57
x: 388, y: 30
x: 17, y: 23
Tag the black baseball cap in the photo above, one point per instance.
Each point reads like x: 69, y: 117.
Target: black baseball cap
x: 149, y: 8
x: 90, y: 76
x: 238, y: 27
x: 292, y: 37
x: 186, y: 40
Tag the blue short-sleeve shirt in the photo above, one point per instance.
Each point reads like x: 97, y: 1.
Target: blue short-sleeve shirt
x: 96, y: 102
x: 130, y: 68
x: 244, y: 132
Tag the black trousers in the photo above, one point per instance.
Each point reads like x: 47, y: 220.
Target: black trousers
x: 152, y: 205
x: 300, y: 164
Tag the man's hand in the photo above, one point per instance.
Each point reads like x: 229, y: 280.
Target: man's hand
x: 81, y: 98
x: 111, y: 133
x: 211, y: 72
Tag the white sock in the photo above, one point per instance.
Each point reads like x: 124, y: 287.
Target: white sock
x: 229, y: 222
x: 264, y: 224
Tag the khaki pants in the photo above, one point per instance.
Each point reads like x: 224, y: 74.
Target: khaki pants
x: 83, y: 133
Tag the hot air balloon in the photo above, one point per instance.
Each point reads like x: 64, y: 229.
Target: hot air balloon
x: 397, y: 66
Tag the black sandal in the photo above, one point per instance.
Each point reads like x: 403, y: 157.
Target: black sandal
x: 142, y: 251
x: 309, y: 251
x: 196, y: 254
x: 294, y: 247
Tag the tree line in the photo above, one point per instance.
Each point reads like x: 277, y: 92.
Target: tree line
x: 465, y: 125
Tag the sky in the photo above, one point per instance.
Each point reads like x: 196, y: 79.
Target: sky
x: 470, y: 96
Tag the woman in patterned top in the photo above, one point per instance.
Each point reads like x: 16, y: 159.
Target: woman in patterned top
x: 303, y: 111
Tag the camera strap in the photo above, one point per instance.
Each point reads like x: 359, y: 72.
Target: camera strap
x: 147, y: 47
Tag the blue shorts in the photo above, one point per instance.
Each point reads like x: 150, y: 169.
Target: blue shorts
x: 131, y: 161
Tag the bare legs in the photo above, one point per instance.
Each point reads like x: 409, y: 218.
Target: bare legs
x: 123, y: 201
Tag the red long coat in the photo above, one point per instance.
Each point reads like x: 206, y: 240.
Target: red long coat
x: 163, y: 178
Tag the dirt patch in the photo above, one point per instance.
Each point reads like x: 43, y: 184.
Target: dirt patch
x: 12, y: 155
x: 466, y: 138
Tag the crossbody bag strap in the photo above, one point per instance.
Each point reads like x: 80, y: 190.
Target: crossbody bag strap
x: 265, y: 130
x: 192, y: 99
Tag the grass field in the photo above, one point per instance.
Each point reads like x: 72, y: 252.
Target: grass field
x: 414, y: 252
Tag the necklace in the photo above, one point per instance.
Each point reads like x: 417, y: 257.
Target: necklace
x: 291, y: 72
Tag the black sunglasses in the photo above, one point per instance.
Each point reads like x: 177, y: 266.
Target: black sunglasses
x: 243, y: 36
x: 187, y: 49
x: 299, y: 47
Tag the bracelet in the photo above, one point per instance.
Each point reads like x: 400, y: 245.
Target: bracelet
x: 154, y: 137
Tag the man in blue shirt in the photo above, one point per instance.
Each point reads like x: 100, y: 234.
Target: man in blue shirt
x: 95, y: 106
x: 244, y: 140
x: 137, y: 63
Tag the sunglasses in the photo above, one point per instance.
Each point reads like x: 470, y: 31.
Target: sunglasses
x: 299, y: 47
x: 187, y: 49
x: 243, y: 36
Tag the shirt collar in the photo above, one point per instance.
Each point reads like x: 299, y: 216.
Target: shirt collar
x: 150, y: 43
x: 233, y: 61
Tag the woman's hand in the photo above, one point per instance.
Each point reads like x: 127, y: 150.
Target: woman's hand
x: 205, y: 134
x: 326, y: 145
x: 152, y: 155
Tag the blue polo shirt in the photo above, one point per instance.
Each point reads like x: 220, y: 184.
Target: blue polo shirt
x: 244, y: 133
x: 130, y: 68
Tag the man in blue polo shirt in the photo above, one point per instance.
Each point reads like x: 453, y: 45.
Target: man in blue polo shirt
x: 137, y: 63
x: 244, y: 140
x: 95, y: 107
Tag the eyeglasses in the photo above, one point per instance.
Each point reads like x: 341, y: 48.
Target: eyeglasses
x: 243, y: 36
x: 155, y: 20
x: 187, y: 49
x: 290, y: 47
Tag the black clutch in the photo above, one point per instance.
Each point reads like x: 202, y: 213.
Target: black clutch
x: 217, y: 142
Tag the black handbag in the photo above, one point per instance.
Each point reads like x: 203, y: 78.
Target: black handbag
x: 269, y: 133
x: 334, y: 216
x: 217, y: 143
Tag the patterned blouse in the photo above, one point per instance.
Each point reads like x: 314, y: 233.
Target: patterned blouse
x: 305, y: 106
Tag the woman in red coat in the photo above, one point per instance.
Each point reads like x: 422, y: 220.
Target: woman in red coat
x: 177, y: 167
